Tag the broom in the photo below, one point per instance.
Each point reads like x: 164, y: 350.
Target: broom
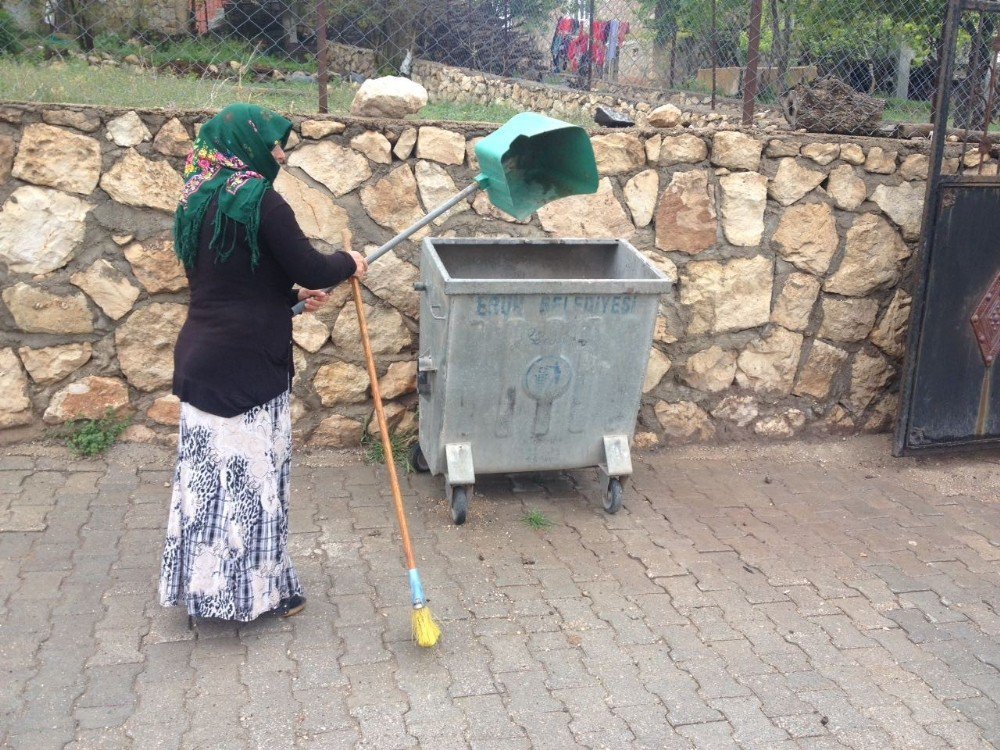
x: 425, y: 630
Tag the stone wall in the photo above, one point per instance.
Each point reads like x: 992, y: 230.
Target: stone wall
x: 448, y: 83
x: 789, y: 251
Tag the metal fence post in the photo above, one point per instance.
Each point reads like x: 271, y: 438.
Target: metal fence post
x: 753, y: 55
x: 321, y: 55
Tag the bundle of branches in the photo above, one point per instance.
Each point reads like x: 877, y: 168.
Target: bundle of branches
x: 829, y: 105
x: 483, y: 36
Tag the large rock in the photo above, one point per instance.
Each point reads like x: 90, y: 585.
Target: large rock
x: 664, y: 116
x: 405, y: 143
x: 657, y: 366
x: 51, y: 364
x: 15, y: 406
x: 778, y: 148
x: 796, y: 301
x: 821, y: 367
x: 682, y: 149
x: 735, y: 150
x: 90, y: 398
x: 173, y: 139
x: 58, y: 158
x: 847, y: 320
x: 774, y: 428
x: 389, y: 96
x: 38, y: 311
x: 341, y: 383
x: 599, y: 215
x: 618, y: 152
x: 41, y: 230
x: 309, y: 332
x: 730, y: 296
x: 340, y: 169
x: 904, y: 204
x: 880, y: 161
x: 155, y: 264
x: 869, y: 376
x: 915, y: 167
x: 685, y: 217
x: 392, y: 280
x: 768, y: 364
x: 793, y: 181
x: 137, y: 181
x: 890, y: 334
x: 482, y: 206
x: 374, y: 145
x: 744, y: 197
x: 852, y: 153
x: 438, y: 144
x: 739, y: 409
x: 87, y: 120
x: 684, y: 421
x: 317, y: 130
x: 392, y: 201
x: 7, y: 149
x: 145, y: 345
x: 846, y: 188
x: 807, y: 237
x: 317, y: 215
x: 821, y: 153
x: 386, y: 330
x: 336, y: 432
x: 640, y: 196
x: 399, y: 379
x: 436, y: 186
x: 127, y: 131
x: 165, y: 410
x: 872, y: 258
x: 653, y: 145
x: 108, y: 287
x: 711, y: 369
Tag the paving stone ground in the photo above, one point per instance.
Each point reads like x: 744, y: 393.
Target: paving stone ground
x: 799, y: 596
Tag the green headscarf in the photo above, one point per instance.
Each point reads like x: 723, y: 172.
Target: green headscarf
x: 230, y: 158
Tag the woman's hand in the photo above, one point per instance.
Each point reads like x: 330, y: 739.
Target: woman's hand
x: 361, y: 262
x: 315, y: 298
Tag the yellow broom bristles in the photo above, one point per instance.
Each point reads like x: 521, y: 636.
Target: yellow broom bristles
x: 425, y: 630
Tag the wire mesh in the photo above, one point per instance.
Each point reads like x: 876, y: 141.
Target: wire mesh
x: 878, y: 58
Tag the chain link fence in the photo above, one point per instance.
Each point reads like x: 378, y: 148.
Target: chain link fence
x: 877, y: 58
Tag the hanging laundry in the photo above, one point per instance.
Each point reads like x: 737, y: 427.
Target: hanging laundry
x: 566, y: 28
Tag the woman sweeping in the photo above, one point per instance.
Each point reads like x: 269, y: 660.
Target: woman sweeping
x: 226, y: 553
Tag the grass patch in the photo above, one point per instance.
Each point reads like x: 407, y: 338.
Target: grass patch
x: 92, y: 437
x: 536, y: 520
x: 374, y: 453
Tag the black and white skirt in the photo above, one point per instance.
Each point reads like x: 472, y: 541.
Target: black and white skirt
x: 226, y: 553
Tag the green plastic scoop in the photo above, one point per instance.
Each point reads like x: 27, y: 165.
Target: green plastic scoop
x: 532, y: 160
x: 527, y: 162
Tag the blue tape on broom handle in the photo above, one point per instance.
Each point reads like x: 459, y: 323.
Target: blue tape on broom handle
x: 417, y: 588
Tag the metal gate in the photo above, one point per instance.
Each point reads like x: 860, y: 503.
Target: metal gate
x: 951, y: 383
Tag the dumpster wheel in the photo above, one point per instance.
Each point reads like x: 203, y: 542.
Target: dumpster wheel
x: 418, y: 460
x: 459, y: 504
x: 613, y: 497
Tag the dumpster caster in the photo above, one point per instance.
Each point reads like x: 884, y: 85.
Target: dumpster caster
x: 459, y: 504
x: 613, y: 497
x: 417, y: 459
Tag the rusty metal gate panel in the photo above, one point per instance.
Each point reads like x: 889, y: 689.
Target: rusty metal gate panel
x: 951, y: 383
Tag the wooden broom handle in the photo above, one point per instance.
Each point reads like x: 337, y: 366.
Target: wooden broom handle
x: 383, y: 426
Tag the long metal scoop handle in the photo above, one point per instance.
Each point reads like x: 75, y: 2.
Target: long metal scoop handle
x: 410, y: 231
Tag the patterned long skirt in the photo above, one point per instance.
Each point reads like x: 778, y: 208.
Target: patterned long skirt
x: 226, y: 554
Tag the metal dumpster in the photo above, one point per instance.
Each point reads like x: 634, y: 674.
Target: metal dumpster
x: 532, y: 357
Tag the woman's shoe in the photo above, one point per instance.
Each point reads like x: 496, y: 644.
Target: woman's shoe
x: 290, y: 606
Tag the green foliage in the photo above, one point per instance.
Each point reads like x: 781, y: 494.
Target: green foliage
x: 10, y: 35
x: 374, y: 452
x: 92, y: 437
x: 536, y: 520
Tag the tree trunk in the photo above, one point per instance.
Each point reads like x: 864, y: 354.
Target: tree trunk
x: 903, y: 63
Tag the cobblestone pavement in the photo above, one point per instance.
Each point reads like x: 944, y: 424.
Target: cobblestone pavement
x: 798, y: 596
